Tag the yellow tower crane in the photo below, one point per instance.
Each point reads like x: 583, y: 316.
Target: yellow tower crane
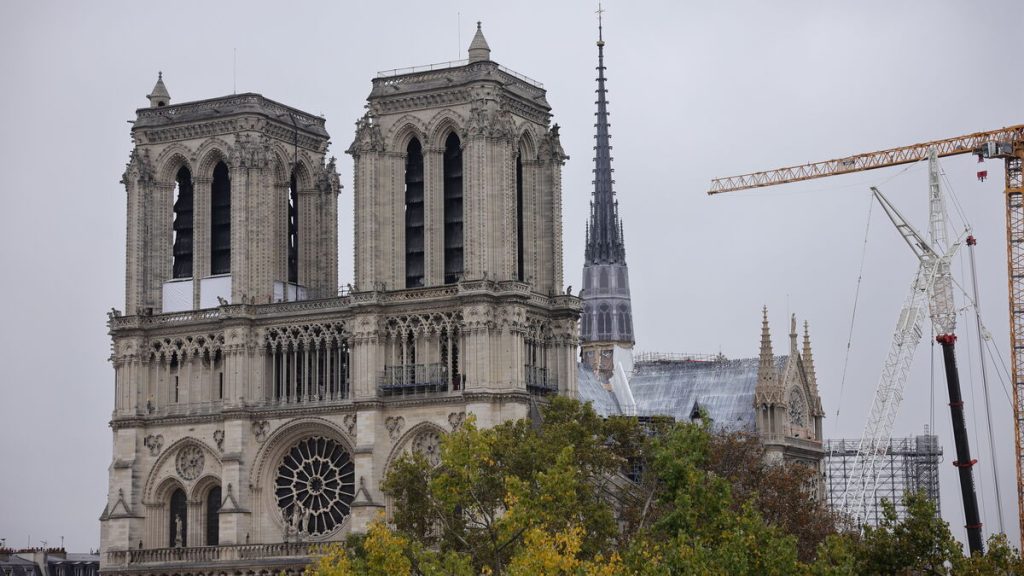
x: 1005, y: 143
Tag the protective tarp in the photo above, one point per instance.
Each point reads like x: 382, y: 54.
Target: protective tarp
x: 592, y: 390
x: 724, y: 389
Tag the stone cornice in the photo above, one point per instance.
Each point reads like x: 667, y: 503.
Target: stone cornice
x: 226, y: 106
x: 340, y: 308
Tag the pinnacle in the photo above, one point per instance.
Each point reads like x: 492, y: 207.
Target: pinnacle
x: 479, y: 51
x: 159, y: 95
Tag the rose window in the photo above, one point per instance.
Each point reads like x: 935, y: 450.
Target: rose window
x: 315, y: 487
x: 190, y: 462
x: 428, y: 443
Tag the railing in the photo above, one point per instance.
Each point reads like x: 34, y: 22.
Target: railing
x: 540, y: 381
x: 189, y: 408
x: 206, y: 554
x: 675, y: 357
x: 453, y: 64
x: 414, y: 379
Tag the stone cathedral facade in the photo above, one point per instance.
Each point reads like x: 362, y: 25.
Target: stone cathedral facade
x: 257, y: 407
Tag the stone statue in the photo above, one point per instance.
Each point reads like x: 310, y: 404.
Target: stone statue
x: 177, y: 531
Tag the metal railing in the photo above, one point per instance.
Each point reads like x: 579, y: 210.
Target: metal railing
x: 413, y: 379
x: 539, y: 380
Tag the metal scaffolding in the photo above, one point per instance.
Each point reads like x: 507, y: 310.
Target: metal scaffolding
x: 908, y: 465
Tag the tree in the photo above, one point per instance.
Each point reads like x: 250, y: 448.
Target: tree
x: 784, y: 493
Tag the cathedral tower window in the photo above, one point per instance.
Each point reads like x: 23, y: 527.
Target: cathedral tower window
x: 453, y: 240
x: 182, y: 227
x: 414, y: 215
x: 449, y: 346
x: 213, y: 516
x: 293, y: 230
x: 307, y: 364
x: 520, y: 255
x: 220, y: 220
x: 178, y: 518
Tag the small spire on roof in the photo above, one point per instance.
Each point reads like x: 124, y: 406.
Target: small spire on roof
x: 479, y: 51
x: 159, y: 96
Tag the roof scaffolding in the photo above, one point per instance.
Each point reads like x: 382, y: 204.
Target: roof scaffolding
x: 908, y: 465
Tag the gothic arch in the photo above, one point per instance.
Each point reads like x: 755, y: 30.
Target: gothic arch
x: 278, y: 445
x: 203, y: 485
x: 209, y: 153
x: 444, y: 122
x: 527, y: 147
x: 405, y: 442
x: 163, y: 469
x: 171, y: 160
x: 405, y: 129
x: 165, y: 488
x: 282, y: 439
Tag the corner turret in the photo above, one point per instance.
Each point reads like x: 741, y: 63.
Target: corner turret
x: 159, y: 96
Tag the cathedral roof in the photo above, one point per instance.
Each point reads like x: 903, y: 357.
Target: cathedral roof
x: 723, y: 388
x: 590, y: 389
x: 478, y: 48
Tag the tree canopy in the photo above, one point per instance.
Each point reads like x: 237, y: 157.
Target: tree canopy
x: 583, y: 495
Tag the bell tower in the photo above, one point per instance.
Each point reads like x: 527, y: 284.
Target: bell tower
x: 458, y: 228
x: 230, y: 200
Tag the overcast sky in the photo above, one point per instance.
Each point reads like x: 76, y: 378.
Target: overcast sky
x: 697, y: 90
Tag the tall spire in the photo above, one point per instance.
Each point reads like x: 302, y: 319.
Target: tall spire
x: 607, y: 309
x: 604, y: 240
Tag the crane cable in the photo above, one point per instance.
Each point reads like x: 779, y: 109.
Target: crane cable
x: 853, y: 315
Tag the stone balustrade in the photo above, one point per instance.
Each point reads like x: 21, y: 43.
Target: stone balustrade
x: 211, y: 554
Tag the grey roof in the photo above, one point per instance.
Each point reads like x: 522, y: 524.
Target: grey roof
x: 591, y: 390
x: 19, y: 566
x: 227, y: 107
x: 723, y: 388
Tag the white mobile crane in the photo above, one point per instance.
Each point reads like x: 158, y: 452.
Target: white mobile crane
x: 932, y: 287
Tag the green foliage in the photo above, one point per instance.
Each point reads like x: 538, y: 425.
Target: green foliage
x: 552, y: 500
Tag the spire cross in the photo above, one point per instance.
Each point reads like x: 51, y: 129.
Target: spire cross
x: 600, y: 11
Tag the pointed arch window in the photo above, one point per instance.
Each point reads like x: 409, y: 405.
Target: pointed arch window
x: 623, y: 321
x: 178, y: 518
x: 182, y: 226
x: 220, y: 220
x: 604, y: 322
x: 414, y: 215
x: 520, y: 254
x: 293, y: 229
x: 213, y: 516
x: 453, y: 237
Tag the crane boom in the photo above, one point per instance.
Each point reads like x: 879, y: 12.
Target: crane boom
x: 1005, y: 143
x: 969, y: 144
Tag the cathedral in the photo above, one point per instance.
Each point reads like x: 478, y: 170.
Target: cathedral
x: 258, y: 407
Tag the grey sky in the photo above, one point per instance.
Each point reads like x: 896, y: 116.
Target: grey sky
x: 697, y: 90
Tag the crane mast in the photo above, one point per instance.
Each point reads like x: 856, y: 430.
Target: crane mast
x: 1007, y: 144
